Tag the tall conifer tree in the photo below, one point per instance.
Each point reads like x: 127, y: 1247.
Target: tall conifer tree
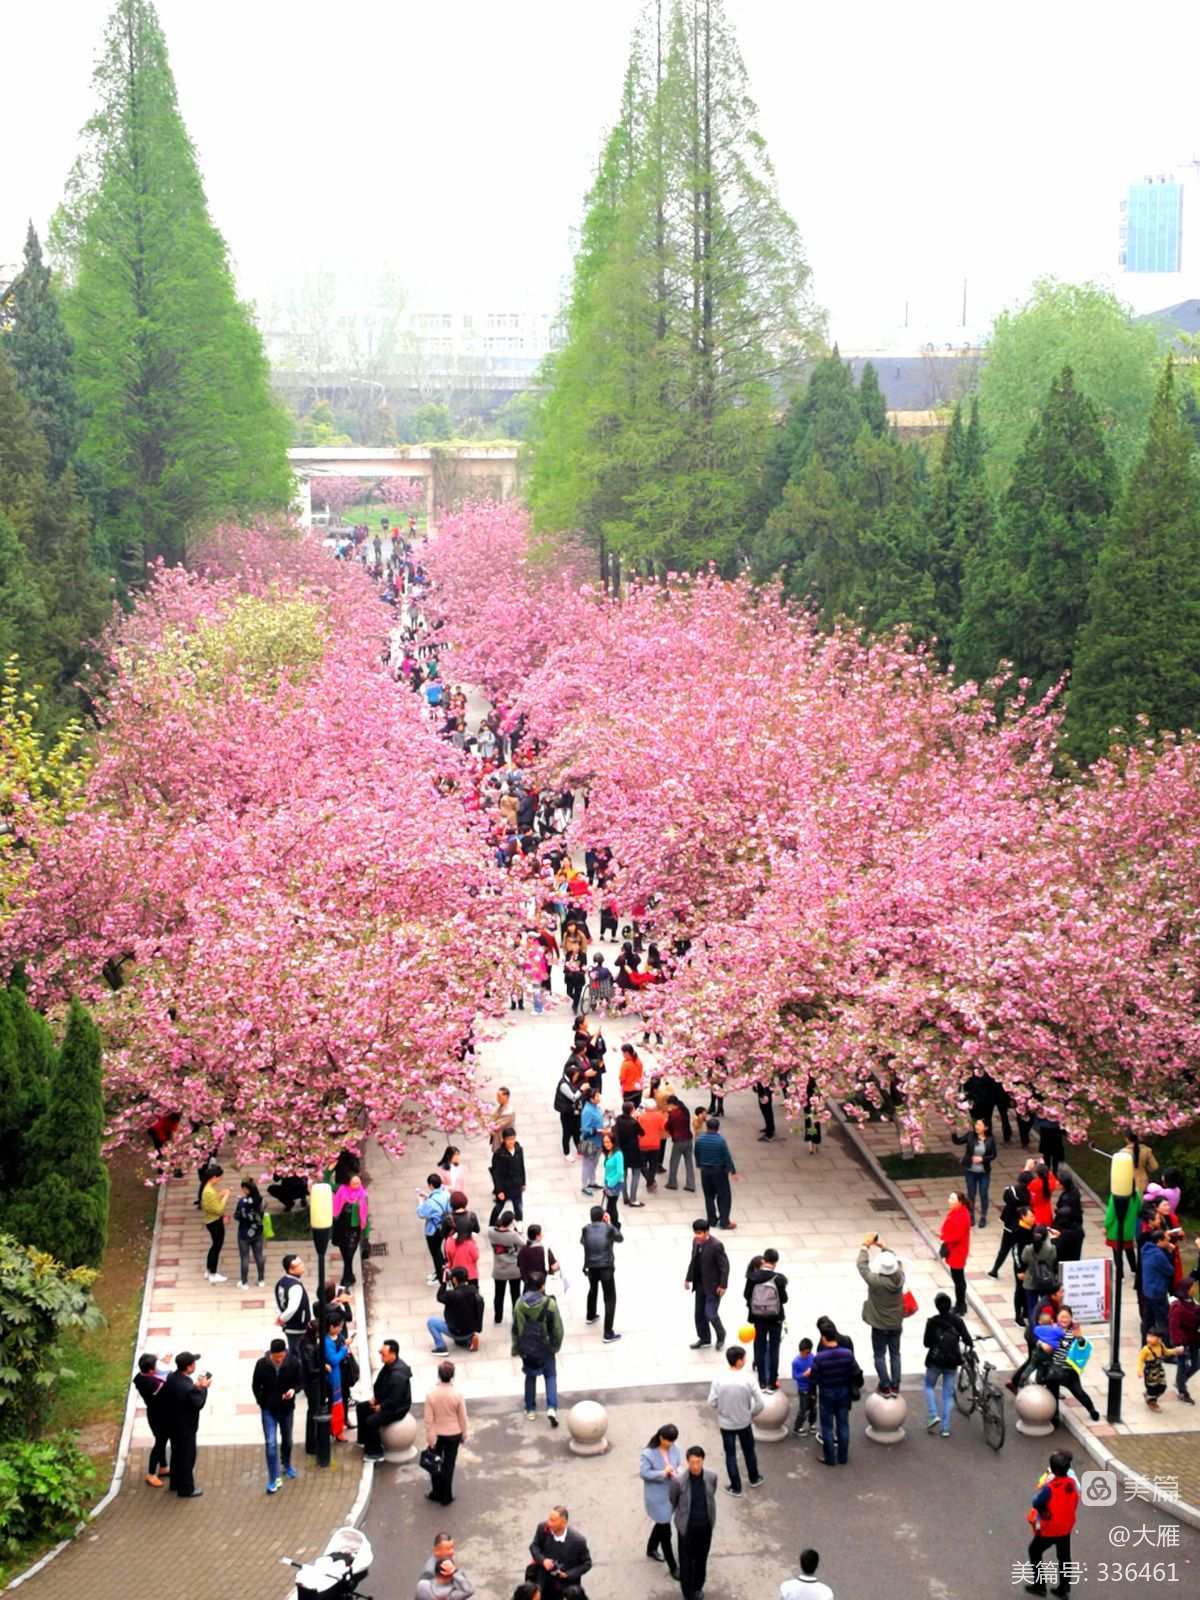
x: 40, y: 351
x: 181, y: 426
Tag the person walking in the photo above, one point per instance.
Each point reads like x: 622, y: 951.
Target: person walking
x: 350, y: 1214
x: 766, y: 1296
x: 883, y: 1309
x: 660, y: 1461
x: 946, y: 1336
x: 1068, y: 1217
x: 717, y: 1168
x: 956, y: 1245
x: 1150, y: 1366
x: 213, y: 1204
x: 591, y: 1127
x: 979, y: 1151
x: 765, y: 1096
x: 738, y: 1400
x: 614, y: 1176
x: 1054, y: 1510
x: 836, y: 1376
x: 506, y: 1241
x: 807, y: 1586
x: 561, y: 1555
x: 707, y: 1278
x: 693, y: 1497
x: 248, y: 1214
x: 537, y: 1336
x: 1013, y: 1202
x: 1183, y: 1331
x: 535, y: 1257
x: 149, y: 1380
x: 446, y: 1427
x: 276, y: 1379
x: 184, y: 1397
x: 679, y: 1130
x: 1157, y: 1278
x: 1039, y: 1275
x: 433, y: 1207
x: 462, y: 1304
x: 391, y: 1400
x: 600, y: 1267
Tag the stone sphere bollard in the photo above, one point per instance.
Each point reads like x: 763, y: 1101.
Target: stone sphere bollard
x: 587, y: 1423
x: 398, y: 1440
x: 885, y: 1417
x: 1036, y: 1408
x: 771, y: 1423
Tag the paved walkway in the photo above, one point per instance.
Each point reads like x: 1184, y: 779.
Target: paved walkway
x: 813, y: 1209
x: 928, y: 1199
x: 150, y: 1545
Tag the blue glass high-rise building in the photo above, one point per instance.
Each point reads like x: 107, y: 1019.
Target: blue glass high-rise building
x: 1152, y: 225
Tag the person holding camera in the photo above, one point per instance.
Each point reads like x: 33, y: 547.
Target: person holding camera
x: 184, y: 1397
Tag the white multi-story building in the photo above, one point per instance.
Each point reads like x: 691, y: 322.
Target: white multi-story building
x: 1158, y: 236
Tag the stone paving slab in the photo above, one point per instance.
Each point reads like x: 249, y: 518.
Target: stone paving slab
x: 150, y: 1545
x: 1165, y: 1457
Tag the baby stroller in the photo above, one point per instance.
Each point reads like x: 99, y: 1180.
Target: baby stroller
x: 337, y: 1574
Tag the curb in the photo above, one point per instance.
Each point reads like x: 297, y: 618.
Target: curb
x: 123, y: 1446
x: 1096, y: 1448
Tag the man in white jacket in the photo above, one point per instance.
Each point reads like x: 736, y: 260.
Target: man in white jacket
x: 738, y: 1400
x: 807, y: 1586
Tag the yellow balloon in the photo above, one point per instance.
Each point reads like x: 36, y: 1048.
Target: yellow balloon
x: 746, y: 1333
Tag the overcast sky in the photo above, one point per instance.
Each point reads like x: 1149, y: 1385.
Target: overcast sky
x: 915, y: 144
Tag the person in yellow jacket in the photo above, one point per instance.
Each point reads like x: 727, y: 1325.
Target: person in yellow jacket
x: 213, y: 1203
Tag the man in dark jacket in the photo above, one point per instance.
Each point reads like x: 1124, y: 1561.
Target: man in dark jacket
x: 392, y: 1402
x: 508, y: 1178
x: 627, y: 1132
x: 708, y: 1278
x: 765, y: 1311
x: 835, y: 1374
x: 693, y: 1498
x: 277, y: 1377
x: 463, y: 1319
x: 600, y: 1268
x: 182, y: 1402
x: 560, y: 1553
x: 715, y: 1161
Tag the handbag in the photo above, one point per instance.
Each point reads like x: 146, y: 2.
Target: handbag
x: 268, y: 1226
x: 429, y: 1461
x: 910, y: 1303
x: 365, y: 1249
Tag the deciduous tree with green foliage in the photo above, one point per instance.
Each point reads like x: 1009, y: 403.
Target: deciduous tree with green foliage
x: 1116, y: 362
x: 40, y: 351
x: 1139, y: 651
x: 1025, y: 587
x: 181, y: 425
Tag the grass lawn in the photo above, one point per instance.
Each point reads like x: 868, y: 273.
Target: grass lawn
x: 371, y: 511
x: 926, y: 1164
x: 92, y: 1403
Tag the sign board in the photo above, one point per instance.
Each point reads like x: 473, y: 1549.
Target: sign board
x: 1086, y: 1288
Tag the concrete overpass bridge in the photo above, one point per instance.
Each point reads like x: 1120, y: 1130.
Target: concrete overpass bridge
x: 451, y: 473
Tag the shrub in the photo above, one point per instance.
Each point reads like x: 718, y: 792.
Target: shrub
x: 44, y: 1484
x: 40, y: 1300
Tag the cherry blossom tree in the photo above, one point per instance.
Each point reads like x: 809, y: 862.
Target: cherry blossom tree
x: 274, y: 897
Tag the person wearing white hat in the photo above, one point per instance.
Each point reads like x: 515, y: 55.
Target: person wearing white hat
x: 883, y: 1309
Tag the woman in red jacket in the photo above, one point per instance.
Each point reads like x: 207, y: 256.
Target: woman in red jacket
x: 956, y: 1245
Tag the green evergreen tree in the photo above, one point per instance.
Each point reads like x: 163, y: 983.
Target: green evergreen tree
x: 181, y: 427
x: 40, y: 350
x: 1025, y: 591
x: 54, y: 602
x: 62, y: 1206
x: 871, y: 400
x: 1139, y: 652
x: 27, y: 1061
x: 824, y: 418
x: 693, y: 300
x: 959, y: 519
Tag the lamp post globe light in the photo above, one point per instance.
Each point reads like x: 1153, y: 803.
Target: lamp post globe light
x: 1120, y: 1187
x: 320, y: 1217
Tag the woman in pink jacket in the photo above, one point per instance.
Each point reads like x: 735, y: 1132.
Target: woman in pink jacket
x: 956, y: 1246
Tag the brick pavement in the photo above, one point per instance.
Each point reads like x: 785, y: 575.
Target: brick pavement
x: 1170, y: 1456
x: 928, y: 1199
x: 813, y: 1209
x: 150, y: 1545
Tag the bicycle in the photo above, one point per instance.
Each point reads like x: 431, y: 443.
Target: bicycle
x: 974, y: 1390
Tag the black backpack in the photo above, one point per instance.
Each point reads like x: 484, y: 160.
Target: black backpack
x: 945, y: 1351
x: 533, y: 1344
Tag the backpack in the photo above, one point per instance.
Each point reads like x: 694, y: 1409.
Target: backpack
x: 945, y: 1350
x: 764, y: 1299
x: 1045, y: 1277
x: 533, y: 1345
